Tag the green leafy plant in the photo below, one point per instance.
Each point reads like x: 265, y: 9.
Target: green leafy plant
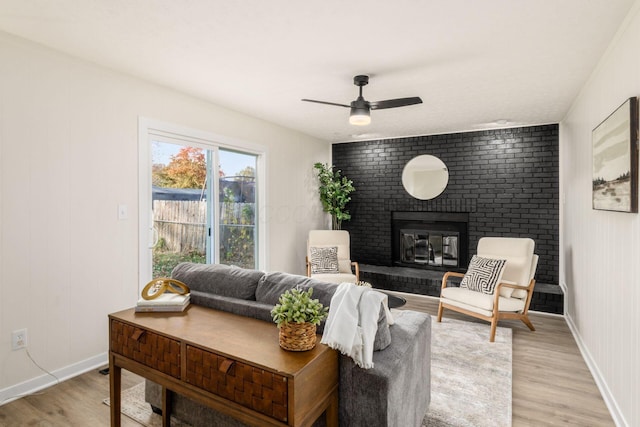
x: 334, y: 192
x: 297, y: 306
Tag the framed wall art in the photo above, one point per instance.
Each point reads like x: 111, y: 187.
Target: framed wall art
x: 615, y: 160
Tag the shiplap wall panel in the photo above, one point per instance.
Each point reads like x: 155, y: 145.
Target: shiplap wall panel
x: 600, y: 249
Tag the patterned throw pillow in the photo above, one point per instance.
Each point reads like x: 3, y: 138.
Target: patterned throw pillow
x: 483, y: 274
x: 324, y: 260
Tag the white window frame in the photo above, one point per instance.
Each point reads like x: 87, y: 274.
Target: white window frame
x: 156, y: 130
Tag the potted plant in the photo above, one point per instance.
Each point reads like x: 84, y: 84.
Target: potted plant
x: 334, y: 192
x: 297, y: 316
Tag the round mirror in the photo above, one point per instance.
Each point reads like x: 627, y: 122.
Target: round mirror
x: 425, y: 177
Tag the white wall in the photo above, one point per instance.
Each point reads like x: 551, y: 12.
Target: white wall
x: 68, y: 157
x: 601, y: 250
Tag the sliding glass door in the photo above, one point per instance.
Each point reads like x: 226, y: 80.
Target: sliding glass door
x: 238, y: 208
x: 180, y: 196
x: 203, y: 205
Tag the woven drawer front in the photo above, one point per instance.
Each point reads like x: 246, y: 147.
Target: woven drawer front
x: 150, y: 349
x: 244, y: 384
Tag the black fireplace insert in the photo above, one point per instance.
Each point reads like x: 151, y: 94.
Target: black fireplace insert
x: 432, y: 240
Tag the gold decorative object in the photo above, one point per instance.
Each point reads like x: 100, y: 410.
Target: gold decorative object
x: 159, y: 286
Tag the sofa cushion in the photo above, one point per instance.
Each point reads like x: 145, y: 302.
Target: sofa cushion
x: 238, y: 306
x: 336, y: 278
x: 397, y: 390
x: 480, y: 300
x: 323, y: 260
x: 219, y: 279
x: 272, y: 285
x: 483, y: 274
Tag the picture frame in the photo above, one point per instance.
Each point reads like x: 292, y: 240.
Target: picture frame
x: 615, y: 160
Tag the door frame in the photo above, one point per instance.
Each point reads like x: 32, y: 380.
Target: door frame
x: 149, y: 129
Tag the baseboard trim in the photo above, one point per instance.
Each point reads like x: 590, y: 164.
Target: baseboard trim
x: 33, y: 385
x: 608, y: 398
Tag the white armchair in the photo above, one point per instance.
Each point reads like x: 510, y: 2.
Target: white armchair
x: 329, y: 257
x: 492, y: 290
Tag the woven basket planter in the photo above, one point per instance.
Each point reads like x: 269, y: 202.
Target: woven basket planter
x: 297, y: 336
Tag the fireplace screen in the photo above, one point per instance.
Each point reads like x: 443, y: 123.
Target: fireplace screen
x: 436, y: 248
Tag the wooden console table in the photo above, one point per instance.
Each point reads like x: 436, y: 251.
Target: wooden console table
x: 230, y: 363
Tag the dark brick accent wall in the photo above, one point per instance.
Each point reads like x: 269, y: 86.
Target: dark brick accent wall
x: 506, y: 179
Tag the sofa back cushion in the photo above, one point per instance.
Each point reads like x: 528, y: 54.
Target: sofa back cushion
x: 219, y: 279
x: 272, y: 285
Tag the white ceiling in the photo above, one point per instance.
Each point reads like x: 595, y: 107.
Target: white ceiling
x: 475, y: 64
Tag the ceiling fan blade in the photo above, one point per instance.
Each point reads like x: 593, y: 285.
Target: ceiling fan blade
x: 327, y: 103
x: 393, y: 103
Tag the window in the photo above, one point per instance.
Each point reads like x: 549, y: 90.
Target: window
x: 199, y: 199
x: 237, y: 186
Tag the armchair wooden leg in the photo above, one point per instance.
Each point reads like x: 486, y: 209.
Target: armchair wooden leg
x: 494, y: 325
x: 440, y: 310
x: 526, y: 321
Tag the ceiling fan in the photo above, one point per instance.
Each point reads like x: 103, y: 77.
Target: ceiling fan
x: 360, y: 108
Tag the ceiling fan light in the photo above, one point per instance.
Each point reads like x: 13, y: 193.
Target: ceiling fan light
x: 359, y: 117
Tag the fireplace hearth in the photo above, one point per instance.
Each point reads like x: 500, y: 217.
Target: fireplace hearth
x: 430, y: 240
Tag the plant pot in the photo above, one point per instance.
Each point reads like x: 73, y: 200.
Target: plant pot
x: 297, y: 336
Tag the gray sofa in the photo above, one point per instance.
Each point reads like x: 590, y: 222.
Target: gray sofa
x: 396, y: 392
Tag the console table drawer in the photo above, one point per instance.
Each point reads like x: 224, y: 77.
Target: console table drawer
x: 146, y: 347
x: 249, y: 386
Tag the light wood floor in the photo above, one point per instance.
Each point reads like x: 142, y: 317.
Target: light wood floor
x: 551, y: 384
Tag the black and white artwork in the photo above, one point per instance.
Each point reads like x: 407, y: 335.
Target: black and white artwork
x: 615, y: 160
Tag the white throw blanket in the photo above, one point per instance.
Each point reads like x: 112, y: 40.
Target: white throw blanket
x: 353, y: 321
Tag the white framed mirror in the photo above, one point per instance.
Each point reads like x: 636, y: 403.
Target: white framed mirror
x: 425, y: 177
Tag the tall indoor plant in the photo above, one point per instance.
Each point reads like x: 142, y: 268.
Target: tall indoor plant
x: 334, y: 192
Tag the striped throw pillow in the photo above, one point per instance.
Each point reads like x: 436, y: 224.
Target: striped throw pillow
x: 324, y: 260
x: 483, y: 274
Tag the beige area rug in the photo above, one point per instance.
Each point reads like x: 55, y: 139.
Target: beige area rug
x: 134, y: 406
x: 470, y: 380
x: 470, y: 377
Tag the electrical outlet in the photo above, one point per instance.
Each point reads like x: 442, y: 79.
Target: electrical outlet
x: 18, y: 339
